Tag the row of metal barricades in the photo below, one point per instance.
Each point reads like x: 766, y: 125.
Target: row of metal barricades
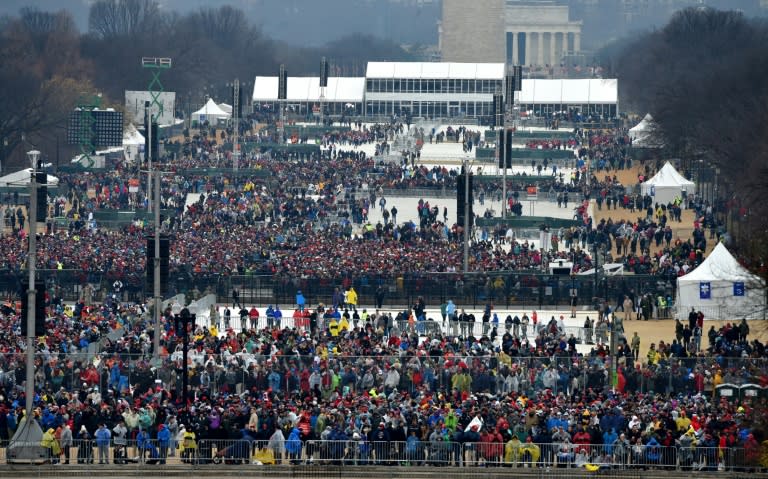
x: 438, y: 453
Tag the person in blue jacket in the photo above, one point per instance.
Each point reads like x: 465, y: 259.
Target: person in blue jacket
x: 163, y: 441
x: 300, y: 301
x: 145, y: 446
x: 293, y: 446
x: 103, y: 439
x: 653, y: 450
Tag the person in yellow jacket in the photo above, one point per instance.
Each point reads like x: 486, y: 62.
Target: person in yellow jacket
x: 343, y: 324
x: 50, y: 443
x: 764, y: 454
x: 333, y: 327
x: 352, y: 297
x: 512, y: 451
x: 653, y: 355
x: 683, y: 422
x: 716, y: 379
x: 187, y: 446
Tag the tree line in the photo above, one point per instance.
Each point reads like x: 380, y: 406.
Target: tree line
x: 703, y: 79
x: 48, y: 65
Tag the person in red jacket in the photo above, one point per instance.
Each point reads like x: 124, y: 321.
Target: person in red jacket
x: 491, y: 447
x: 582, y: 439
x: 253, y: 316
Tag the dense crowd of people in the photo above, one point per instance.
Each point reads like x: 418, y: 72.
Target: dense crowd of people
x: 341, y: 384
x: 348, y: 384
x: 330, y: 192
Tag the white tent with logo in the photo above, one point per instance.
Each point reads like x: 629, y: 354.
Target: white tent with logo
x: 721, y: 288
x: 667, y: 184
x: 210, y: 112
x: 20, y: 179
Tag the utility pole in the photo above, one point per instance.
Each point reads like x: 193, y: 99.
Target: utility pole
x: 236, y: 124
x: 282, y: 95
x: 157, y: 287
x: 467, y: 193
x: 24, y: 446
x: 148, y: 152
x: 33, y: 156
x: 156, y: 65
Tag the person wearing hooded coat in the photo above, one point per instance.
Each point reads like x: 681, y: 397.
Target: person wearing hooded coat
x: 84, y: 446
x: 65, y: 442
x: 277, y: 445
x: 164, y: 441
x: 293, y: 445
x: 50, y: 443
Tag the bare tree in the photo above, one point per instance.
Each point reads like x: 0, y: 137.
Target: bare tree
x: 702, y: 77
x: 119, y: 18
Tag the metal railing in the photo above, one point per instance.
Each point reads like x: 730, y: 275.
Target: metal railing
x: 358, y: 450
x: 504, y: 288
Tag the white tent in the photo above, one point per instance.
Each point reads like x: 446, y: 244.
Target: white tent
x: 210, y: 112
x: 131, y: 136
x: 20, y: 179
x: 642, y: 134
x: 133, y: 143
x: 226, y: 108
x: 721, y: 289
x: 667, y: 184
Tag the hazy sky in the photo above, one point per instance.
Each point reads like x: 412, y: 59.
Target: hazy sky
x: 315, y: 22
x: 297, y: 21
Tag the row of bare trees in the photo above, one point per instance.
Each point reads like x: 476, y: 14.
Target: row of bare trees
x: 48, y: 64
x: 703, y: 79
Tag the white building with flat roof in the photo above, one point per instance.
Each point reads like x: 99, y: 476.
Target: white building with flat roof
x: 437, y: 90
x: 431, y: 89
x: 304, y: 94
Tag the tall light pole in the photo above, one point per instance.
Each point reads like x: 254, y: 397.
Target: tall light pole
x: 33, y: 156
x: 157, y: 290
x: 467, y: 193
x: 24, y: 446
x: 156, y: 65
x: 235, y: 124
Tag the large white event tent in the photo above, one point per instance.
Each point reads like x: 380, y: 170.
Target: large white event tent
x: 210, y: 112
x: 721, y: 289
x: 667, y: 184
x: 569, y: 91
x: 20, y: 179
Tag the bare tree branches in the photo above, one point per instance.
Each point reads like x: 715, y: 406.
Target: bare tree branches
x: 702, y: 77
x: 123, y: 18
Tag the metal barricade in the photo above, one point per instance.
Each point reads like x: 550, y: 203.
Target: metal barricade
x: 271, y: 452
x: 84, y: 451
x: 226, y: 451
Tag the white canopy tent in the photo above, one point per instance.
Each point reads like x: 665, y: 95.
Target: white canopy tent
x: 210, y: 112
x: 133, y: 143
x: 20, y: 179
x: 642, y: 134
x: 226, y: 108
x: 721, y: 289
x: 667, y: 184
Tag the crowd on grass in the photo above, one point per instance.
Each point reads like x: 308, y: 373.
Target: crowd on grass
x: 308, y: 216
x: 345, y: 385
